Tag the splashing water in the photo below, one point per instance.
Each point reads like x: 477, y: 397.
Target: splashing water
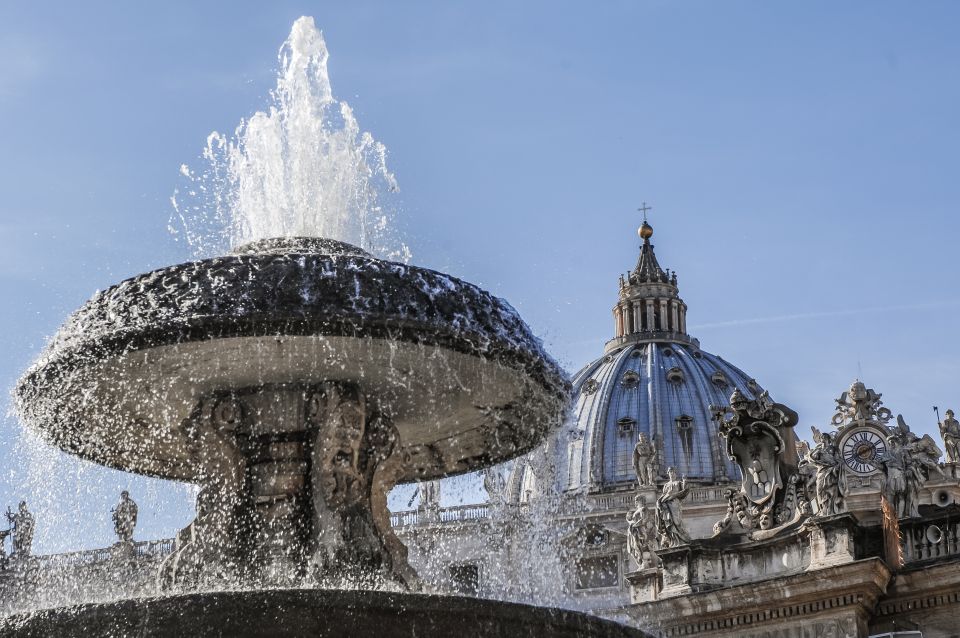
x: 302, y: 168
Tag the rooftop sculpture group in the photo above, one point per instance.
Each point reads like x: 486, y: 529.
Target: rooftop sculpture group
x: 23, y: 525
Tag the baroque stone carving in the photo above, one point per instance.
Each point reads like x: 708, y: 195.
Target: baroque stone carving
x: 494, y: 484
x: 23, y: 524
x: 760, y: 440
x: 642, y: 533
x: 859, y: 404
x: 348, y: 445
x: 909, y: 462
x: 950, y: 432
x: 124, y: 517
x: 645, y: 461
x: 829, y: 486
x: 669, y: 514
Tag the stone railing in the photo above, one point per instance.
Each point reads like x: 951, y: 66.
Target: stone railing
x: 455, y: 514
x: 141, y: 549
x: 925, y: 540
x: 624, y: 501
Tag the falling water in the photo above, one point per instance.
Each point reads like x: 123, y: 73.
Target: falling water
x: 303, y: 167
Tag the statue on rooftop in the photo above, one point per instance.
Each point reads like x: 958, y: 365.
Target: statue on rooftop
x: 125, y: 517
x: 23, y: 524
x: 826, y: 457
x: 429, y: 494
x: 950, y: 431
x: 645, y: 461
x: 642, y: 533
x: 759, y: 438
x: 669, y: 514
x: 908, y: 464
x: 859, y: 404
x: 494, y: 484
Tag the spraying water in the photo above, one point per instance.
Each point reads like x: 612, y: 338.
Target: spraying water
x: 303, y: 167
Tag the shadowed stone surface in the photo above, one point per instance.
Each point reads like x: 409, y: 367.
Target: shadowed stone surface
x: 455, y: 368
x: 315, y: 613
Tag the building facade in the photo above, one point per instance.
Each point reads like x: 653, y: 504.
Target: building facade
x: 677, y: 498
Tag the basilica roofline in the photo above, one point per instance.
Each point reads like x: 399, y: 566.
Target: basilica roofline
x: 649, y: 336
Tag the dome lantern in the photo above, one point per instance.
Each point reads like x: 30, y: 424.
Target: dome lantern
x: 649, y: 307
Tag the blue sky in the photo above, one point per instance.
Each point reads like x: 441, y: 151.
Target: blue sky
x: 801, y: 160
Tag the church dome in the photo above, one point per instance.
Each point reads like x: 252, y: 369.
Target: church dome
x: 652, y: 379
x: 659, y: 388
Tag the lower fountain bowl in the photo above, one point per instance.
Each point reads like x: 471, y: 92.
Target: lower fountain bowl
x: 314, y: 613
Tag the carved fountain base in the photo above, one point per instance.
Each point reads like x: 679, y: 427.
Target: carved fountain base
x: 293, y: 490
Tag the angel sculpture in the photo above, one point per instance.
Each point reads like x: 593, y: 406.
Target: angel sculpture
x: 909, y: 461
x: 825, y: 456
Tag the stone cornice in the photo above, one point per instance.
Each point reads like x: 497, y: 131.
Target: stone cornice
x: 858, y: 585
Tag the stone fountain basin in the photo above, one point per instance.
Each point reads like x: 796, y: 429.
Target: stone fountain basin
x: 462, y: 377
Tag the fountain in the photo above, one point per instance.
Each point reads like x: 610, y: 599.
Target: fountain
x: 296, y: 380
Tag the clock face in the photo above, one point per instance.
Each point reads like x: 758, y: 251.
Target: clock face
x: 863, y: 450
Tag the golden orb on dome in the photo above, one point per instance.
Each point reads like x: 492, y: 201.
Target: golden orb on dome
x: 645, y: 231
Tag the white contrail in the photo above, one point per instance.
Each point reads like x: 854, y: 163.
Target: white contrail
x: 827, y: 313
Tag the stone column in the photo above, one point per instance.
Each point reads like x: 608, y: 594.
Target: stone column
x: 651, y: 325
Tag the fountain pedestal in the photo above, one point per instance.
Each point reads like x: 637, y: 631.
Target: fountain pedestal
x: 287, y: 477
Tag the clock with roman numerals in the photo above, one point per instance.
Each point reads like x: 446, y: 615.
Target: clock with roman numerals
x: 863, y: 449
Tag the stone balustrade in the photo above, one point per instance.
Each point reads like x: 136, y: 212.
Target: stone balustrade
x: 930, y: 539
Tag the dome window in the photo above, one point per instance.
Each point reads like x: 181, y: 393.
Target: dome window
x: 591, y: 386
x: 667, y: 352
x: 675, y: 375
x: 697, y: 355
x: 625, y: 425
x: 719, y: 379
x: 753, y: 386
x: 636, y: 353
x: 684, y: 424
x: 630, y: 379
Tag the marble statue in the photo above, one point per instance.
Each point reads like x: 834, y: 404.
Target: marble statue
x: 826, y: 458
x: 429, y: 494
x: 669, y: 514
x: 950, y: 431
x: 859, y: 404
x: 494, y: 484
x: 907, y: 466
x: 645, y: 461
x: 641, y: 537
x: 125, y: 517
x: 23, y: 524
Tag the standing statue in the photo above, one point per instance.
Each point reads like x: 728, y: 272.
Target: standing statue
x: 3, y: 550
x: 23, y: 525
x: 669, y: 515
x: 429, y: 494
x: 909, y: 462
x: 641, y: 537
x: 950, y: 431
x: 826, y: 457
x: 645, y: 461
x: 494, y: 484
x: 896, y: 465
x: 125, y: 517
